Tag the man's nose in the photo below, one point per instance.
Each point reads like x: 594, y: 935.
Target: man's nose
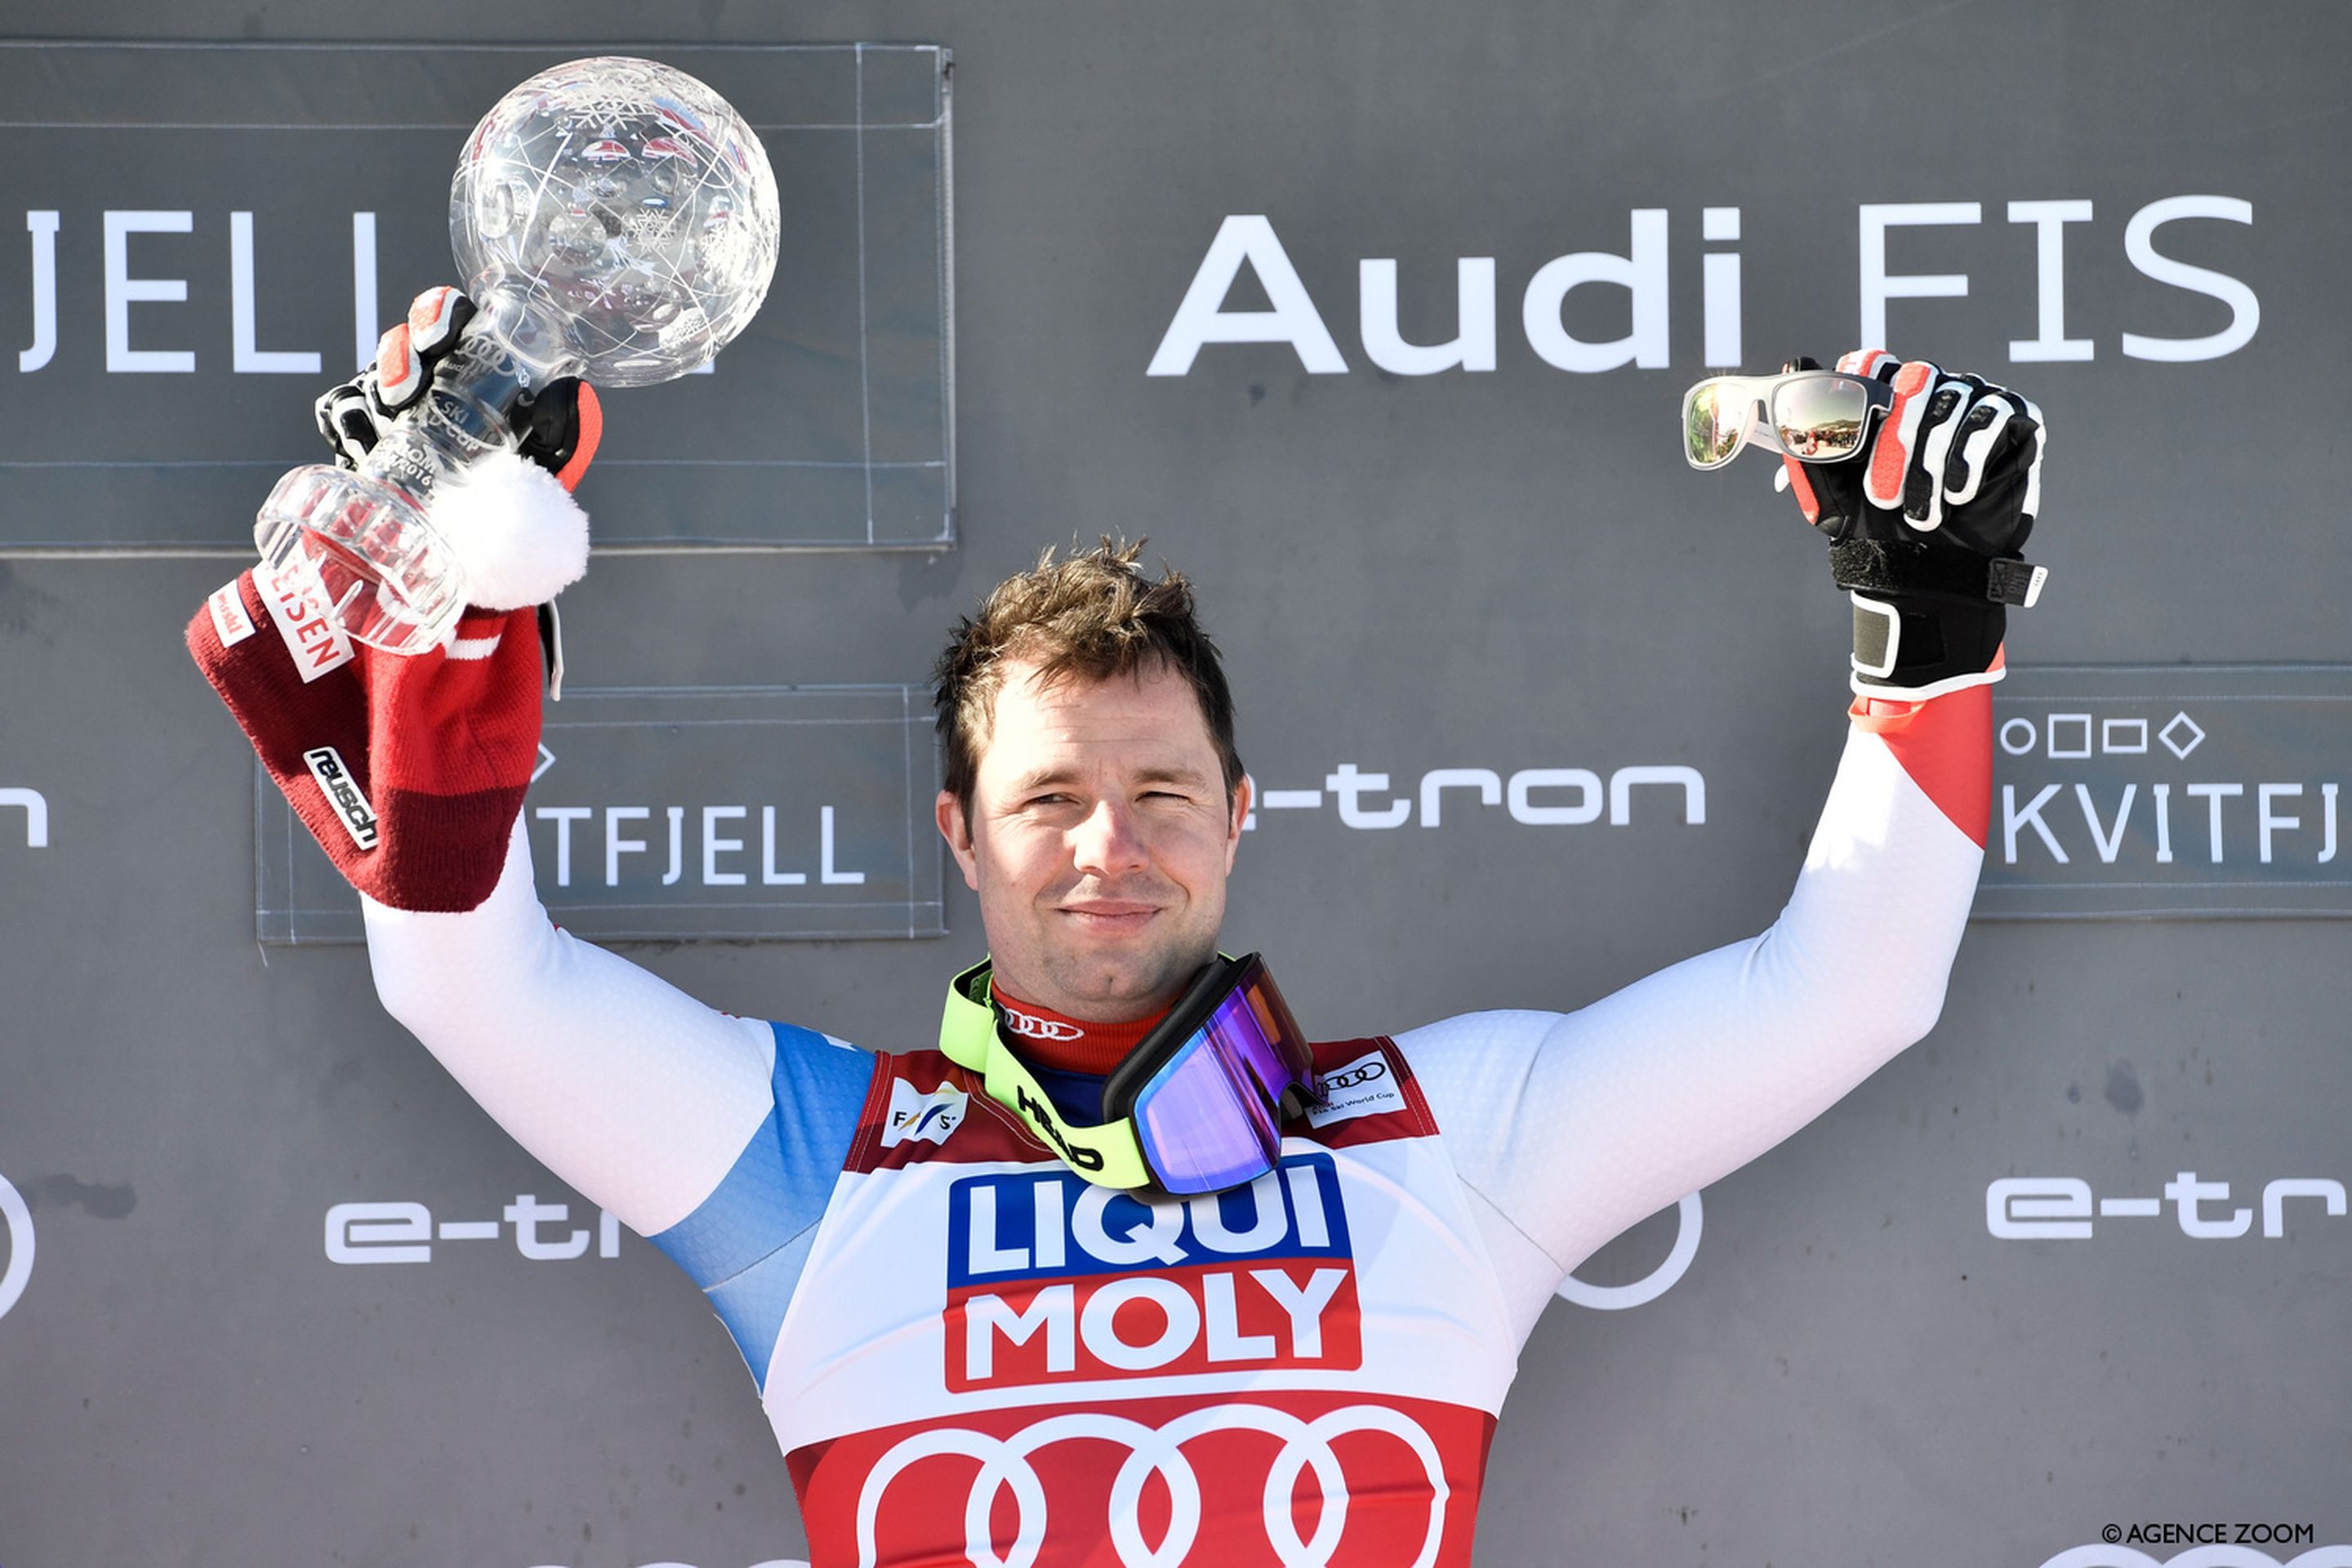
x: 1107, y: 839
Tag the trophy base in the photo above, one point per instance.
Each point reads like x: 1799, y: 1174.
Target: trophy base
x: 391, y: 580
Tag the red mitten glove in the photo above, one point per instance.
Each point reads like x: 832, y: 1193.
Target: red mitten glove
x: 409, y: 769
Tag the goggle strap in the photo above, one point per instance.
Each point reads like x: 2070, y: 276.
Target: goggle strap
x: 1109, y: 1155
x: 968, y: 1028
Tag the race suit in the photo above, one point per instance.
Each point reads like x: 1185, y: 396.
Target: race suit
x: 996, y: 1363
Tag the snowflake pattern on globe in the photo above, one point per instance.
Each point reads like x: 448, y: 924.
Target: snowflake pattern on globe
x: 635, y: 204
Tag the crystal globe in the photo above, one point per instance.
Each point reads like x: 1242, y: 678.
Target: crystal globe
x: 631, y: 196
x: 614, y: 219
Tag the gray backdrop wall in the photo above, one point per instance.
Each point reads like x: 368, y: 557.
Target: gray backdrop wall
x: 2074, y: 1262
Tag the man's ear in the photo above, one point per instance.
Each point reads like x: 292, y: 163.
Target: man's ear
x: 1234, y: 828
x: 958, y: 833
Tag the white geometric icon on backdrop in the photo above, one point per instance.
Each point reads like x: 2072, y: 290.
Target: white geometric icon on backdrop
x: 2188, y: 727
x: 546, y: 761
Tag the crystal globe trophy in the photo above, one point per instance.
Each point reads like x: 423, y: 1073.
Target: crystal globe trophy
x: 614, y: 219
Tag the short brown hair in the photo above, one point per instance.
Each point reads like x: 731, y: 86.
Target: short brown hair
x: 1091, y: 616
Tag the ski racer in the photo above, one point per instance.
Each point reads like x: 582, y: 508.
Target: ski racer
x: 1122, y: 1269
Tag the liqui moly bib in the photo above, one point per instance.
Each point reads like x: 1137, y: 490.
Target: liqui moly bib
x: 990, y: 1362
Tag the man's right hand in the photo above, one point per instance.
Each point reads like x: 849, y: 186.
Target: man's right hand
x: 561, y: 423
x: 410, y: 770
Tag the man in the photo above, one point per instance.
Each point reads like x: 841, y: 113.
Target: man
x: 1121, y: 1269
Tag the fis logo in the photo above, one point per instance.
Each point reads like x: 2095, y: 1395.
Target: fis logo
x: 335, y: 782
x: 1051, y: 1279
x: 925, y: 1118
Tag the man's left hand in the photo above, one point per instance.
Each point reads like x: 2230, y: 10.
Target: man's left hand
x: 1927, y: 526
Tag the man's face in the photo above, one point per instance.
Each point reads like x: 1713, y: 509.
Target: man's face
x: 1098, y: 840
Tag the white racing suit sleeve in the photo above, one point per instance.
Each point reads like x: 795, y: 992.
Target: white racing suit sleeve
x: 637, y: 1095
x: 1572, y: 1127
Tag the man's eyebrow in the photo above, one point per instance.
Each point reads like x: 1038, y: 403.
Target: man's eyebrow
x: 1039, y: 778
x: 1169, y: 773
x: 1052, y: 774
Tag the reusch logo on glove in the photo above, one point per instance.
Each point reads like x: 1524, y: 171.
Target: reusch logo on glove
x: 335, y: 782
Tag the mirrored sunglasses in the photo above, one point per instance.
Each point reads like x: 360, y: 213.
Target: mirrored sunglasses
x: 1815, y: 415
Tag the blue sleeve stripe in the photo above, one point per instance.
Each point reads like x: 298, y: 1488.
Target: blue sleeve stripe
x: 750, y: 1214
x: 752, y: 1303
x: 780, y: 1184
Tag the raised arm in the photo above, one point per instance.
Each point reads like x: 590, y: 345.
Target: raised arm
x: 410, y: 771
x: 633, y: 1092
x: 1572, y: 1127
x: 1575, y: 1126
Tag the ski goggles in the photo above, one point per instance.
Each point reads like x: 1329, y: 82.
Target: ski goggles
x: 1196, y: 1107
x: 1816, y: 415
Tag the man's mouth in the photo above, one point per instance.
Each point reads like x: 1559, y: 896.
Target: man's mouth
x: 1110, y: 914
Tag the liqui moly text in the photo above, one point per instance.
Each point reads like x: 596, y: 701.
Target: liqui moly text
x: 1051, y: 1279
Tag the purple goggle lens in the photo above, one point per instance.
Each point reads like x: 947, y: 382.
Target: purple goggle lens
x: 1208, y: 1118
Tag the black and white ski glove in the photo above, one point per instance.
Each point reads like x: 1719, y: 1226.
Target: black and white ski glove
x: 508, y: 518
x: 559, y: 422
x: 1927, y: 526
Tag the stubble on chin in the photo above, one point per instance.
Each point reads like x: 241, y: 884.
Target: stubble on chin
x: 1105, y: 986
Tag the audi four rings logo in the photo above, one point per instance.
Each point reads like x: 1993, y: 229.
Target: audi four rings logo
x: 1036, y: 1028
x: 16, y: 1226
x: 1349, y: 1078
x: 1158, y: 1451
